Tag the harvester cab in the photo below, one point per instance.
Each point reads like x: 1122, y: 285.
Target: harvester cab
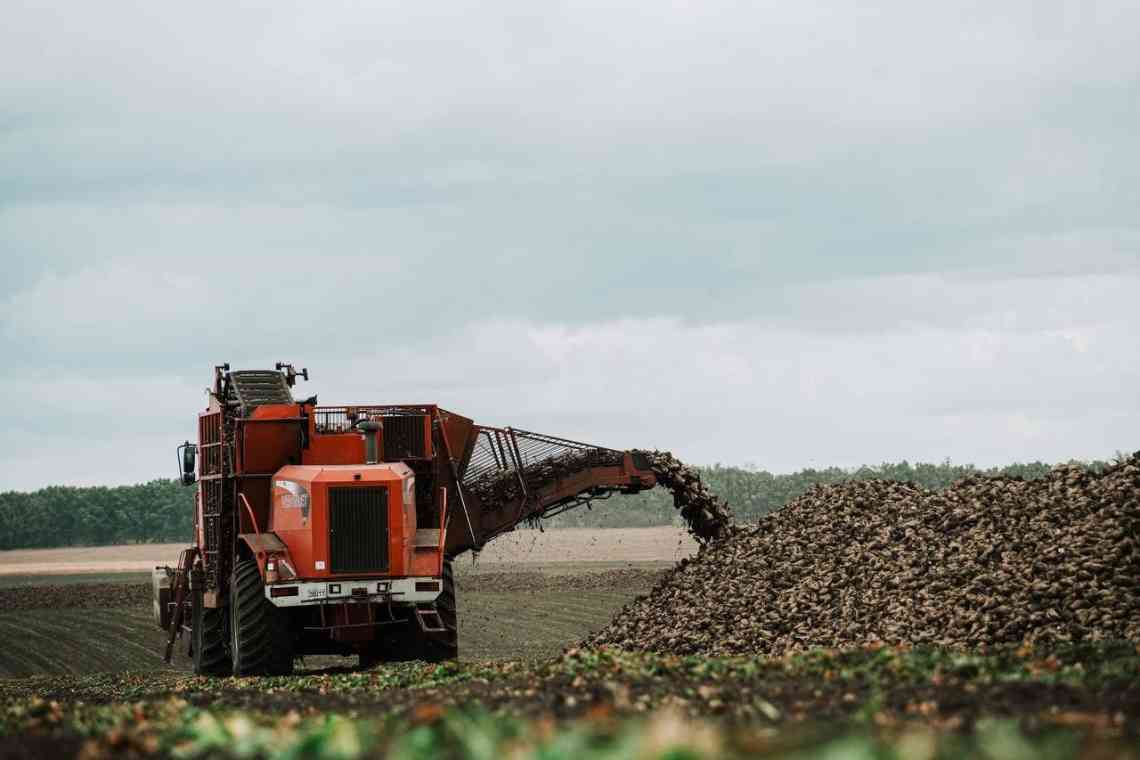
x: 331, y: 529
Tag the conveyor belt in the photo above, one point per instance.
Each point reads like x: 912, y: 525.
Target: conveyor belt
x: 253, y: 388
x: 506, y: 461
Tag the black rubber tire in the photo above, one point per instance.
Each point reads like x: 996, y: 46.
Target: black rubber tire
x: 208, y: 638
x: 261, y: 643
x: 440, y: 647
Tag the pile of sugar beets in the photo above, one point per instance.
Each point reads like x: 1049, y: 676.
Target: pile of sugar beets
x: 990, y: 560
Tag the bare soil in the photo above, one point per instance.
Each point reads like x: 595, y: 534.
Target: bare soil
x: 514, y: 612
x: 612, y: 547
x: 77, y: 638
x: 81, y: 640
x: 528, y: 595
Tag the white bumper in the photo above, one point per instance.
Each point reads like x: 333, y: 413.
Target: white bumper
x: 372, y: 591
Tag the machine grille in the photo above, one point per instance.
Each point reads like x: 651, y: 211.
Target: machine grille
x: 403, y: 437
x: 358, y: 529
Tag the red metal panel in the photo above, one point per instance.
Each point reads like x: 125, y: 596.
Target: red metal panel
x: 270, y: 439
x: 336, y: 448
x: 308, y: 539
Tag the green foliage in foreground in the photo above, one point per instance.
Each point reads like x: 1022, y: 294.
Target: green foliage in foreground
x: 602, y: 704
x: 873, y: 668
x: 477, y: 734
x: 480, y: 735
x: 162, y: 510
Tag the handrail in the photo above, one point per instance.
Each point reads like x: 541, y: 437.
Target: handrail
x: 252, y: 517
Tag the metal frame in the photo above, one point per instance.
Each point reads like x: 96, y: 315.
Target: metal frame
x: 314, y: 593
x: 498, y: 450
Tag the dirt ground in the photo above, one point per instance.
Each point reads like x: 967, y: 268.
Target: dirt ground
x: 493, y: 625
x: 81, y: 670
x: 613, y: 547
x: 528, y: 596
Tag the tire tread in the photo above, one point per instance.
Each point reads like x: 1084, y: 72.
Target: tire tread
x: 261, y: 640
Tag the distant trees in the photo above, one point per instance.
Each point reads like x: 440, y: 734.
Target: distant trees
x: 158, y: 511
x: 162, y: 510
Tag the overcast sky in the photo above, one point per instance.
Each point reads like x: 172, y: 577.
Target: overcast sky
x: 778, y: 234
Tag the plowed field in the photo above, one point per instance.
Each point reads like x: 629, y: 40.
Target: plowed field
x: 106, y: 627
x: 79, y: 641
x: 74, y: 611
x: 492, y: 626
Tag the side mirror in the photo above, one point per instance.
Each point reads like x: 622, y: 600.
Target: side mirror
x: 188, y: 456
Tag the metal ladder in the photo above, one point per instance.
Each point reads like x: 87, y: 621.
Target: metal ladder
x: 181, y: 586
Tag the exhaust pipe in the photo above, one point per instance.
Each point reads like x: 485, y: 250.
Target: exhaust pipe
x: 371, y: 430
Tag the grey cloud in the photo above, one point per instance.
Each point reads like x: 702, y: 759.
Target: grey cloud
x: 786, y: 182
x: 779, y: 395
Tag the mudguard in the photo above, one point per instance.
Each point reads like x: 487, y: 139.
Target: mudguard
x: 264, y: 546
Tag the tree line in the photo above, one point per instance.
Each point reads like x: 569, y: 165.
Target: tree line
x: 158, y: 511
x: 162, y: 510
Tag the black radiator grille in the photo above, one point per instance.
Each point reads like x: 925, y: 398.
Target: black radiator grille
x: 358, y: 529
x: 404, y: 437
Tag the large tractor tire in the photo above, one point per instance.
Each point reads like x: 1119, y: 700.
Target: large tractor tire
x: 208, y: 638
x: 260, y: 640
x: 440, y: 647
